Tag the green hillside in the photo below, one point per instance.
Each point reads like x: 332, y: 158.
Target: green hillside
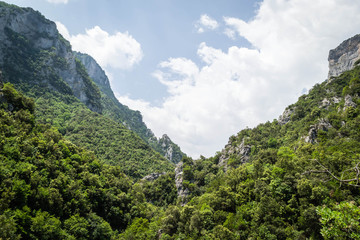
x: 66, y: 96
x: 69, y: 168
x: 300, y: 179
x: 52, y: 189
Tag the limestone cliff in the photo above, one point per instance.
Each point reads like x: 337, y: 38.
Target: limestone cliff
x: 32, y: 42
x: 344, y: 57
x: 128, y: 117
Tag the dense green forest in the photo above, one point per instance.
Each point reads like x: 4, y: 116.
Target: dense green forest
x: 52, y: 189
x: 39, y: 72
x: 289, y: 188
x: 118, y: 112
x: 70, y: 170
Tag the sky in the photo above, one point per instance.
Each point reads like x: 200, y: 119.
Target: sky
x: 200, y: 71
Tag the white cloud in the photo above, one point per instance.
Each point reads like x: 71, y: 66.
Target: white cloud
x: 58, y: 1
x: 119, y: 50
x: 243, y: 87
x: 230, y: 33
x: 206, y: 22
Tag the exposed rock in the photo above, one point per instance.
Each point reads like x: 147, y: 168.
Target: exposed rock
x: 182, y: 193
x: 169, y: 149
x: 322, y: 125
x: 336, y: 100
x: 349, y: 102
x: 130, y: 118
x: 42, y: 34
x: 343, y: 57
x: 325, y: 103
x: 242, y: 150
x: 152, y: 176
x: 286, y: 116
x: 95, y: 71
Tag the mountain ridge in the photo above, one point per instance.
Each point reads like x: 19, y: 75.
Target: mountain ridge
x: 40, y: 63
x: 123, y: 114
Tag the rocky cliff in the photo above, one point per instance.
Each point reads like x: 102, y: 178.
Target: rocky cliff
x: 130, y: 118
x: 344, y: 57
x: 43, y: 57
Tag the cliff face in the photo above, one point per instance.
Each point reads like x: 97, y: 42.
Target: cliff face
x: 344, y: 57
x: 33, y: 52
x: 121, y: 113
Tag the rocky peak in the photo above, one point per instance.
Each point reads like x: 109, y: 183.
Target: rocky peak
x: 344, y: 57
x: 169, y: 149
x: 26, y: 34
x: 94, y: 70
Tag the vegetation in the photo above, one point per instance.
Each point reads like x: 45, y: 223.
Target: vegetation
x: 35, y: 71
x: 70, y: 173
x: 52, y: 189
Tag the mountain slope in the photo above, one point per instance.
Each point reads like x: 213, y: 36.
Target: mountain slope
x: 130, y: 118
x: 39, y: 62
x: 293, y: 178
x: 52, y: 189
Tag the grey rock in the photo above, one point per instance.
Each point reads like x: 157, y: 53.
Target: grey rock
x: 286, y: 116
x: 94, y: 70
x: 42, y: 34
x: 325, y: 103
x: 343, y: 57
x: 181, y: 192
x: 322, y: 125
x: 152, y: 176
x: 168, y: 149
x: 242, y: 151
x: 132, y: 121
x: 349, y: 102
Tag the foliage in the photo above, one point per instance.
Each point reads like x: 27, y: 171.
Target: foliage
x: 52, y: 189
x: 341, y: 221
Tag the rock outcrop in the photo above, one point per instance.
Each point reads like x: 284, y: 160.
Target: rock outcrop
x: 181, y: 191
x: 152, y: 176
x: 170, y: 150
x: 286, y: 116
x: 27, y: 35
x: 322, y: 125
x: 94, y: 70
x: 344, y: 57
x: 241, y: 151
x: 349, y: 102
x: 131, y: 119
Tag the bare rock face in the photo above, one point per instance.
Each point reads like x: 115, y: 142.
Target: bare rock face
x: 243, y: 151
x: 41, y: 35
x: 182, y: 193
x: 343, y: 57
x: 322, y: 125
x: 94, y: 70
x: 169, y: 149
x: 152, y: 176
x: 286, y: 116
x: 349, y: 102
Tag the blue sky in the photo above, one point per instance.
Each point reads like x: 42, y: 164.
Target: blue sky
x: 164, y: 28
x: 200, y: 71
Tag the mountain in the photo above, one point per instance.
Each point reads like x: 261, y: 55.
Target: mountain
x: 52, y: 189
x: 63, y: 157
x: 39, y: 62
x: 296, y: 177
x: 113, y: 109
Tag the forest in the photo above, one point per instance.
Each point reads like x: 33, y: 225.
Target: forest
x: 70, y: 169
x: 289, y: 189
